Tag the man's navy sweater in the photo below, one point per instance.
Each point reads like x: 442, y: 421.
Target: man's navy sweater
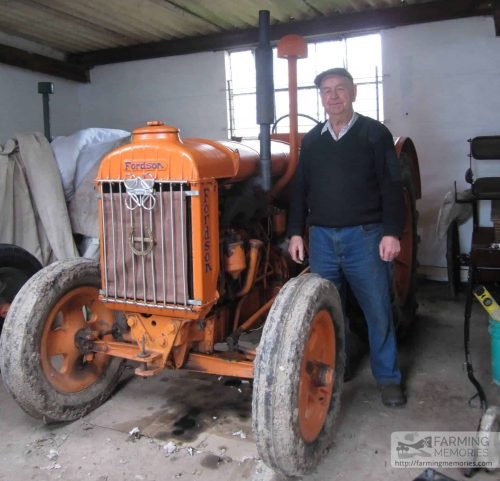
x: 353, y: 181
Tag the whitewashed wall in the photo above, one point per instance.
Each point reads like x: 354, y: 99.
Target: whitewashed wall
x: 441, y: 87
x: 187, y: 91
x: 21, y: 105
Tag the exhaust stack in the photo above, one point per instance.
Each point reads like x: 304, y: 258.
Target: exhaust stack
x: 265, y: 97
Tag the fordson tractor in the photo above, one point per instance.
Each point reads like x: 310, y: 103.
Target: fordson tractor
x: 193, y: 260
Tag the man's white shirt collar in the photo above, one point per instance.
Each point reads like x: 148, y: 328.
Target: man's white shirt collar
x: 343, y: 130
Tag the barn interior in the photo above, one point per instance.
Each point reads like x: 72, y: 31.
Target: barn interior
x: 78, y: 79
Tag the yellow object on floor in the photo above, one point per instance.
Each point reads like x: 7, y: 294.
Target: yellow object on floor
x: 487, y: 301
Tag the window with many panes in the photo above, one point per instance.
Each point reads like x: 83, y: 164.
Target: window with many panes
x: 360, y: 55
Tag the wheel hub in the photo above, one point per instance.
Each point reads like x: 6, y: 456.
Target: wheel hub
x: 317, y: 376
x: 66, y: 345
x: 321, y: 374
x: 84, y: 340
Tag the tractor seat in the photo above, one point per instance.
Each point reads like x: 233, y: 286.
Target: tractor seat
x: 486, y: 188
x: 484, y: 148
x: 485, y: 246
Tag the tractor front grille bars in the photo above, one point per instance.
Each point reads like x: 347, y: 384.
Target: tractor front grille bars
x: 145, y: 243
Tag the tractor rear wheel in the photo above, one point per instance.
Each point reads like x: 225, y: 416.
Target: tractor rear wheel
x: 17, y: 265
x: 405, y: 265
x: 404, y: 279
x: 42, y: 367
x: 298, y: 377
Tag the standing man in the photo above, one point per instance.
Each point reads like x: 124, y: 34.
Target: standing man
x: 348, y: 189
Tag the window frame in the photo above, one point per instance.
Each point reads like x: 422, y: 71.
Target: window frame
x: 236, y: 96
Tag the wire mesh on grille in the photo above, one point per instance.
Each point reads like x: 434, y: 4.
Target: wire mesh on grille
x: 145, y: 242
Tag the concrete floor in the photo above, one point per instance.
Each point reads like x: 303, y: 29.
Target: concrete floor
x: 208, y: 418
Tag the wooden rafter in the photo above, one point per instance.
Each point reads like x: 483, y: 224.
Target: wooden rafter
x: 40, y: 63
x: 328, y: 25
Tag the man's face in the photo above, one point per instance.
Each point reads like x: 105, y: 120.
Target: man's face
x: 337, y: 95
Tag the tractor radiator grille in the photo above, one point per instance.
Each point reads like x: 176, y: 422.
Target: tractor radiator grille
x: 145, y: 242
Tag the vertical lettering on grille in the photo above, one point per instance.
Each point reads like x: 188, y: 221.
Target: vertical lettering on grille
x: 206, y: 229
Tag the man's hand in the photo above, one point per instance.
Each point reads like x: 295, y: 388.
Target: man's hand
x: 389, y: 248
x: 296, y: 248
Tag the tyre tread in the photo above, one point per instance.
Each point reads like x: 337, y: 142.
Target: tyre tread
x: 274, y: 418
x: 19, y: 345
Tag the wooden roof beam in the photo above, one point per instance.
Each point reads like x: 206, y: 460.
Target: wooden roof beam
x: 496, y: 15
x: 40, y: 63
x: 334, y: 24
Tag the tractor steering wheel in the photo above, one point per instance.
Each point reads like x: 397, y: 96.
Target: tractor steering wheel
x: 273, y: 130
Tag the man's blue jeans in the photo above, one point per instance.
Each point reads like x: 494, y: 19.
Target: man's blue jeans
x: 352, y: 254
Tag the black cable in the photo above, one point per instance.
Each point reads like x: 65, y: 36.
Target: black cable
x: 468, y: 364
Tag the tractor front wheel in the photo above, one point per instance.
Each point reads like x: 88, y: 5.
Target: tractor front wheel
x: 299, y: 375
x: 42, y: 366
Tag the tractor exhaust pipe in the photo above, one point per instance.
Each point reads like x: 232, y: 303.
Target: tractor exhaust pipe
x: 265, y: 97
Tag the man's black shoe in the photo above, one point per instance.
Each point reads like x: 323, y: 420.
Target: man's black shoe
x: 392, y: 395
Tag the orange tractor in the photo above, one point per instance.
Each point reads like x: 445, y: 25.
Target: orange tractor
x: 193, y: 261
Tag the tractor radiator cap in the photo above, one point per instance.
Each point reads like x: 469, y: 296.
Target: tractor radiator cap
x: 157, y: 129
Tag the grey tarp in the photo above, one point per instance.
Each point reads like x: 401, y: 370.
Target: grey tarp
x: 33, y: 211
x: 451, y: 210
x: 83, y: 204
